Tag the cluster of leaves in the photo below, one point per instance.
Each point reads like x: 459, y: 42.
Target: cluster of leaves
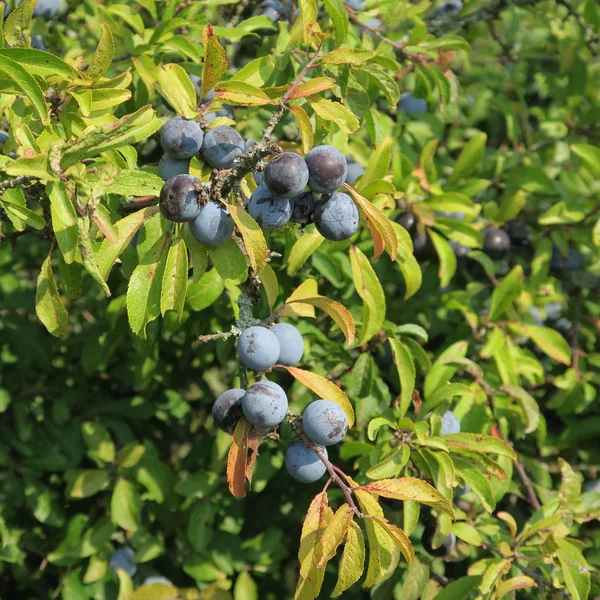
x: 105, y: 427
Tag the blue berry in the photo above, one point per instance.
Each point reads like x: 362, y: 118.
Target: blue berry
x: 327, y: 168
x: 169, y: 167
x: 181, y: 138
x: 286, y: 175
x: 267, y: 210
x: 227, y: 408
x: 221, y: 146
x: 265, y: 404
x: 325, y: 422
x: 303, y: 463
x: 179, y: 198
x: 336, y: 217
x: 258, y: 348
x: 213, y: 226
x: 291, y: 344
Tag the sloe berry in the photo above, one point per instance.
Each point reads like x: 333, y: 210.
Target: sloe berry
x: 181, y: 138
x: 258, y: 348
x: 221, y: 146
x: 412, y: 105
x: 265, y: 404
x: 213, y: 226
x: 291, y: 344
x: 304, y: 206
x: 122, y: 559
x: 179, y: 198
x: 286, y: 175
x: 449, y: 7
x: 496, y: 242
x: 327, y: 169
x: 354, y: 171
x: 325, y: 422
x: 227, y: 409
x: 169, y: 167
x: 269, y: 211
x: 336, y: 217
x: 303, y: 463
x: 355, y: 4
x: 450, y: 423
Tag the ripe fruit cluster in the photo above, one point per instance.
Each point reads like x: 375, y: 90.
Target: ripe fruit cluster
x: 265, y: 403
x: 281, y: 196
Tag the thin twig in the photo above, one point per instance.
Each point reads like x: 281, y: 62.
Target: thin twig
x: 222, y: 335
x: 13, y: 183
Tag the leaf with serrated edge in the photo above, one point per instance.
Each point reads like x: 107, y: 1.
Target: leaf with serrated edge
x: 340, y: 314
x: 87, y: 253
x: 268, y: 278
x: 410, y: 488
x: 215, y: 60
x: 411, y: 270
x: 382, y: 230
x: 528, y: 404
x: 369, y: 289
x: 306, y: 135
x: 335, y: 533
x: 318, y: 516
x: 479, y: 442
x: 324, y: 388
x: 382, y: 549
x: 406, y: 373
x: 48, y: 306
x: 302, y: 250
x: 126, y: 229
x: 399, y: 538
x: 174, y: 283
x: 352, y: 562
x: 254, y: 240
x: 307, y: 289
x: 104, y: 54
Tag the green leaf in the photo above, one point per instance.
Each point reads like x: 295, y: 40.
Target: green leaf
x: 18, y: 21
x: 508, y: 291
x: 343, y: 117
x: 382, y: 80
x: 549, y: 341
x: 441, y: 372
x: 245, y: 587
x: 379, y: 162
x: 408, y: 264
x: 415, y: 581
x: 127, y: 130
x: 590, y: 156
x: 126, y: 506
x: 406, y: 373
x: 104, y: 54
x: 369, y: 289
x: 125, y: 229
x: 391, y: 465
x: 467, y: 532
x: 511, y: 206
x: 478, y: 442
x: 459, y: 588
x: 268, y: 278
x: 348, y: 56
x: 443, y: 393
x: 447, y: 258
x: 528, y: 405
x: 205, y: 291
x: 136, y: 183
x: 352, y: 561
x: 477, y: 481
x: 177, y: 89
x: 309, y: 15
x: 87, y: 253
x: 241, y: 94
x: 48, y: 306
x: 175, y: 279
x: 339, y: 18
x: 230, y: 261
x: 198, y: 255
x: 215, y: 61
x: 302, y: 250
x: 144, y: 289
x: 447, y: 42
x: 64, y: 219
x: 158, y: 591
x: 19, y: 214
x: 29, y: 86
x: 39, y: 63
x: 85, y: 483
x: 471, y: 155
x: 98, y: 441
x: 576, y: 570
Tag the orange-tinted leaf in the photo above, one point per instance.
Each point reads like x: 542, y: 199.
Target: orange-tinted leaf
x: 382, y: 230
x: 215, y: 60
x: 410, y: 488
x: 312, y: 86
x: 335, y: 533
x: 399, y: 538
x: 254, y: 240
x: 237, y: 459
x: 340, y: 314
x: 324, y: 388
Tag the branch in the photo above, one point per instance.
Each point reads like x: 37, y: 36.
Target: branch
x: 590, y: 37
x: 13, y: 183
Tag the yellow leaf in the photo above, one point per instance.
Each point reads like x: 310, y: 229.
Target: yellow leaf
x: 352, y: 561
x: 311, y: 548
x: 400, y: 539
x: 307, y: 289
x: 178, y: 89
x: 334, y: 533
x: 254, y: 240
x: 306, y: 135
x: 383, y: 553
x: 328, y: 110
x: 48, y: 305
x: 382, y: 230
x: 410, y: 488
x: 244, y: 94
x: 324, y: 388
x: 312, y: 86
x: 411, y: 271
x: 340, y: 314
x: 309, y: 14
